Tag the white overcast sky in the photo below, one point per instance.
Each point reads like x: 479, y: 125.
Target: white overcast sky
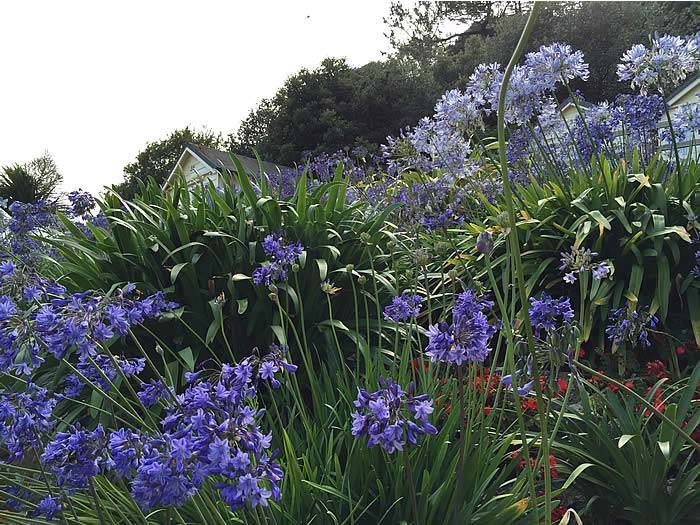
x: 93, y: 81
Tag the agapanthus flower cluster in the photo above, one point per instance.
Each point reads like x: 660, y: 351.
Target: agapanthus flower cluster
x: 211, y: 432
x: 266, y: 367
x: 82, y: 203
x: 25, y: 418
x: 76, y: 456
x: 548, y: 314
x: 27, y: 220
x: 65, y: 321
x: 282, y: 254
x: 580, y: 260
x: 467, y: 337
x: 663, y: 66
x: 556, y: 63
x: 100, y: 371
x: 403, y: 307
x: 630, y: 326
x: 685, y: 121
x: 390, y: 417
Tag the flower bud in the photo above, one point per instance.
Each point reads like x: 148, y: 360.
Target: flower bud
x: 272, y: 288
x: 349, y: 268
x: 295, y: 267
x: 452, y: 274
x: 273, y: 297
x: 362, y: 280
x: 364, y: 237
x: 484, y: 243
x: 159, y: 350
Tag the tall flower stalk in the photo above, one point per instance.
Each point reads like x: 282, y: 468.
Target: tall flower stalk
x: 514, y: 248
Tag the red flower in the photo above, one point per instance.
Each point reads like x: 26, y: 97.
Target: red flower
x: 630, y: 385
x: 529, y: 405
x: 487, y: 410
x: 553, y: 466
x: 680, y: 350
x: 656, y: 369
x: 614, y: 388
x: 581, y: 352
x: 563, y: 385
x: 558, y: 513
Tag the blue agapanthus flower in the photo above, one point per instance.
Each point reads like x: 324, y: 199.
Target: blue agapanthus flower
x: 403, y: 307
x: 556, y: 63
x: 76, y: 456
x: 282, y: 254
x: 467, y: 337
x: 390, y: 417
x: 630, y: 326
x: 663, y: 66
x: 25, y: 420
x: 48, y: 507
x: 548, y: 314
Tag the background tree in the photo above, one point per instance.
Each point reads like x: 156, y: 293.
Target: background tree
x: 35, y: 180
x: 334, y: 107
x: 158, y: 158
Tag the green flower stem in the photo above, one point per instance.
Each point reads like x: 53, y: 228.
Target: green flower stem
x: 412, y: 487
x: 650, y: 406
x: 515, y: 252
x: 675, y: 150
x: 462, y: 445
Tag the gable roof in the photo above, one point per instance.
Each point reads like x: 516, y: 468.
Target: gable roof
x: 221, y: 160
x: 679, y: 93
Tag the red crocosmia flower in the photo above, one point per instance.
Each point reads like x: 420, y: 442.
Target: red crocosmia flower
x: 680, y: 350
x: 529, y: 405
x: 614, y: 388
x: 656, y: 369
x: 558, y: 513
x: 487, y: 410
x: 581, y: 352
x: 630, y: 385
x: 553, y: 466
x: 563, y: 385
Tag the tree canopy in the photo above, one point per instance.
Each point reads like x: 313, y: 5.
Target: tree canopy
x: 30, y: 182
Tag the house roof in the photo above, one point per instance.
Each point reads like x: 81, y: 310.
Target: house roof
x: 219, y: 160
x: 222, y: 159
x: 570, y: 101
x: 690, y: 83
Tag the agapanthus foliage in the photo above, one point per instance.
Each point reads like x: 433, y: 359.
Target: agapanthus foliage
x: 467, y: 337
x: 392, y: 418
x: 630, y: 326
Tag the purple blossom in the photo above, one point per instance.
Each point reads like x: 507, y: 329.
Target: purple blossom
x: 548, y: 314
x: 630, y: 326
x: 76, y: 456
x: 390, y: 417
x: 403, y: 308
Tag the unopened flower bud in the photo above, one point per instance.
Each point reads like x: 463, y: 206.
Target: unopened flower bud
x: 295, y: 267
x: 273, y: 297
x: 364, y: 237
x: 272, y: 288
x: 484, y: 243
x: 452, y: 274
x: 362, y: 280
x: 159, y: 350
x: 349, y: 268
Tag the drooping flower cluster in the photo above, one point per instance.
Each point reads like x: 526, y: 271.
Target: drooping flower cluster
x: 27, y: 220
x: 211, y: 432
x: 580, y: 260
x: 467, y: 337
x: 630, y: 326
x: 100, y: 371
x: 82, y: 203
x: 25, y: 417
x: 282, y: 254
x: 390, y: 417
x: 663, y: 66
x: 685, y: 121
x: 63, y: 321
x: 548, y: 314
x: 403, y: 307
x: 76, y: 456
